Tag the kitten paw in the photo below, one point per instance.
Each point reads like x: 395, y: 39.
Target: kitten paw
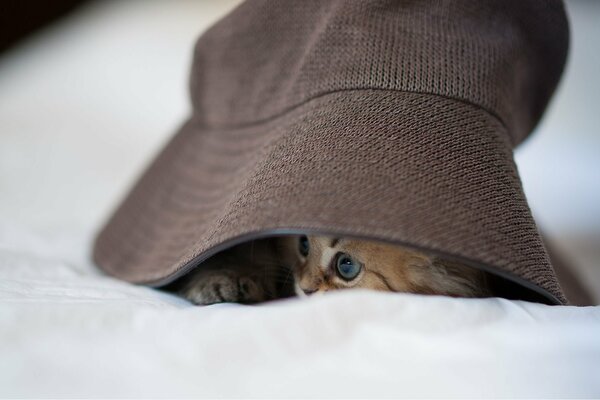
x: 223, y: 286
x: 249, y: 290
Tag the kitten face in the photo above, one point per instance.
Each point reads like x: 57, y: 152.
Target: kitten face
x: 324, y: 263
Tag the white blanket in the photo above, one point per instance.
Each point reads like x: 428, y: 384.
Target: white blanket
x: 66, y: 330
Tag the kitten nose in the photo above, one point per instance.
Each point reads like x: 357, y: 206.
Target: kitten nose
x: 308, y: 292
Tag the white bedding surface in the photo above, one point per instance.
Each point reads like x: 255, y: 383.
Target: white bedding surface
x: 107, y: 88
x: 68, y: 331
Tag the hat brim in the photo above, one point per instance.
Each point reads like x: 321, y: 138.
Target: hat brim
x: 414, y: 169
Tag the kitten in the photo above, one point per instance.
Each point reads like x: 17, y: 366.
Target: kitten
x: 303, y: 265
x: 326, y: 263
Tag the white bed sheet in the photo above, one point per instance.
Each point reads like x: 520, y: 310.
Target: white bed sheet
x: 68, y: 331
x: 107, y: 88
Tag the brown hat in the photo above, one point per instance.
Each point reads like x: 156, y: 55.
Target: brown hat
x: 389, y: 120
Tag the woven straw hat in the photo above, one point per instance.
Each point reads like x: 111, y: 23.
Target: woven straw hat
x: 389, y: 120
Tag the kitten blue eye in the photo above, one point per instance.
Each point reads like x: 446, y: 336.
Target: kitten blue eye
x: 347, y: 267
x: 303, y: 246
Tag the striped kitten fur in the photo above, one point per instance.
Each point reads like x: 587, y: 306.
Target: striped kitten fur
x: 305, y: 265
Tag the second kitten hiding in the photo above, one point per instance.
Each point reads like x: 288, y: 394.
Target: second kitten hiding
x: 279, y: 267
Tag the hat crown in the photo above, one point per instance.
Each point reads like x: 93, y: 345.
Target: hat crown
x: 267, y: 57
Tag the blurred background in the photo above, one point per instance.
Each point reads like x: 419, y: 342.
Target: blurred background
x: 91, y: 90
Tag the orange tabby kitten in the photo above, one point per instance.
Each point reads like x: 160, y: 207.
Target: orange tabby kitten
x: 325, y: 264
x: 274, y: 268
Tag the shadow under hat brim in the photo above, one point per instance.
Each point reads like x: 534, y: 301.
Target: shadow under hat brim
x: 415, y: 169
